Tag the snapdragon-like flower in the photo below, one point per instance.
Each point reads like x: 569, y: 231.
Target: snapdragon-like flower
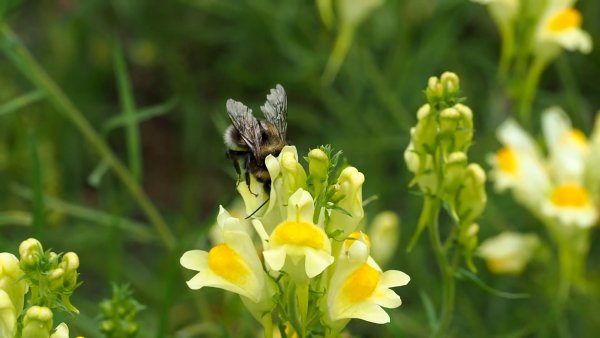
x: 554, y: 187
x: 358, y: 287
x: 232, y: 265
x: 560, y: 27
x: 508, y: 252
x: 519, y: 165
x: 297, y: 240
x: 12, y: 293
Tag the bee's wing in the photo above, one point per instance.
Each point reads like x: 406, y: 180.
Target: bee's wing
x: 245, y: 123
x: 275, y: 110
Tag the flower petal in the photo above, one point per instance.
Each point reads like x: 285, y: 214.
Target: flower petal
x: 316, y: 262
x: 368, y: 311
x: 275, y: 258
x: 194, y: 260
x: 301, y: 206
x: 393, y: 278
x: 386, y: 298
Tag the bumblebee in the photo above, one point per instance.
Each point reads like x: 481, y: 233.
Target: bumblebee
x: 250, y: 141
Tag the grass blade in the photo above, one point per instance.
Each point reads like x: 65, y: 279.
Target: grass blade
x: 20, y: 102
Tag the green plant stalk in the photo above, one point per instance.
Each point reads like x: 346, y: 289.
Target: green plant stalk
x: 131, y: 130
x: 529, y: 89
x: 25, y: 62
x: 506, y: 49
x: 338, y: 54
x: 433, y: 205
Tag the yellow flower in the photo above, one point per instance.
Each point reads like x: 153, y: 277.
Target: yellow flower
x: 509, y: 252
x: 297, y: 240
x: 358, y: 288
x: 571, y: 205
x: 232, y: 265
x: 560, y: 27
x: 12, y: 293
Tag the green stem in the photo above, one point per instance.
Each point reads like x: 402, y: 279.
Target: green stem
x: 23, y: 60
x: 506, y: 49
x: 267, y: 324
x: 446, y: 269
x: 424, y: 219
x: 529, y: 89
x: 338, y: 54
x: 302, y: 294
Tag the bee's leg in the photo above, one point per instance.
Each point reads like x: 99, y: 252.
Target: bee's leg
x: 247, y: 172
x: 230, y: 154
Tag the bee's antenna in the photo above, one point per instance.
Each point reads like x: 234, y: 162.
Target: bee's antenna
x: 257, y: 209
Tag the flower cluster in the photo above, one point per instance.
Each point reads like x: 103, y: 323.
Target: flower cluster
x: 556, y: 187
x: 437, y: 155
x: 561, y: 188
x: 557, y: 24
x: 313, y: 271
x: 48, y: 278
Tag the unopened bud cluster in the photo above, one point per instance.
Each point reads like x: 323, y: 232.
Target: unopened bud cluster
x: 118, y: 314
x: 52, y: 277
x: 437, y: 155
x: 48, y: 278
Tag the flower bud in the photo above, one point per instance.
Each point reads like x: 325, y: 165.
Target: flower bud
x: 464, y: 133
x: 424, y: 135
x: 318, y: 167
x: 454, y: 171
x: 70, y: 262
x: 385, y: 232
x: 472, y: 198
x: 37, y: 322
x: 449, y: 119
x: 434, y: 90
x: 30, y: 251
x: 450, y: 83
x: 349, y: 195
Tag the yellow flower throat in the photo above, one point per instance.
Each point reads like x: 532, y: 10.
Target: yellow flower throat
x: 566, y: 19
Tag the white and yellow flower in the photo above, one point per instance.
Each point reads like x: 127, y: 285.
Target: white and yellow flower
x: 232, y: 265
x: 568, y: 147
x: 571, y: 205
x: 509, y: 252
x: 298, y: 240
x: 560, y: 27
x: 519, y: 166
x: 358, y: 288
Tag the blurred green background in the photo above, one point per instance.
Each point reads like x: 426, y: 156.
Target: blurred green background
x: 183, y: 59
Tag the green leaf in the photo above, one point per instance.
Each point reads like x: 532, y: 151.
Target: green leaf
x: 432, y: 319
x: 461, y: 273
